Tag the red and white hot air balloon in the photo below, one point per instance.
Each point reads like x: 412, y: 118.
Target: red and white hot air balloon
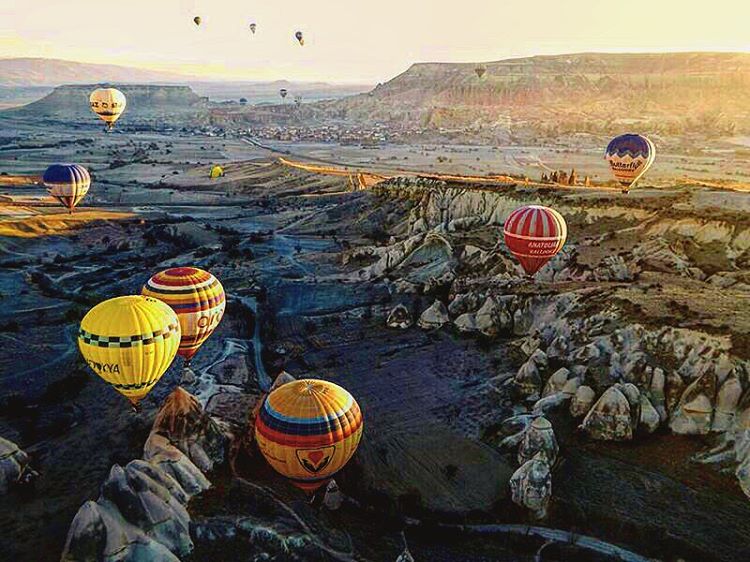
x: 534, y: 235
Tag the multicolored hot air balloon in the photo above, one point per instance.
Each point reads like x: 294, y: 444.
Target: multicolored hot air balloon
x: 108, y: 104
x: 68, y: 183
x: 198, y: 299
x: 480, y: 70
x: 130, y: 342
x: 298, y: 35
x: 308, y: 430
x: 197, y: 20
x: 534, y: 235
x: 283, y: 92
x: 253, y: 27
x: 630, y: 156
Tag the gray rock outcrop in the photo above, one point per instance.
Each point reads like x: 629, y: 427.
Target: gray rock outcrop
x: 436, y: 316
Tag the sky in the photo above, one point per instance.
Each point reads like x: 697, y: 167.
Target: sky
x: 354, y: 41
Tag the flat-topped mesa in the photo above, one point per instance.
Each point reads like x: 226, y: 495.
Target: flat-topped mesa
x: 146, y: 102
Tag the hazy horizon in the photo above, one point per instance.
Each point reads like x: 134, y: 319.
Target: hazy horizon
x: 358, y: 44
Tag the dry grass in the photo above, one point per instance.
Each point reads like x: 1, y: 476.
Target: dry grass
x: 56, y: 223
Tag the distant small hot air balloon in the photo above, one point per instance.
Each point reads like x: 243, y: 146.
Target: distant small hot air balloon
x: 300, y: 37
x: 534, y: 235
x: 253, y: 27
x: 283, y: 92
x: 108, y: 104
x: 480, y: 70
x: 308, y: 430
x: 68, y: 183
x: 130, y: 342
x: 630, y: 156
x: 243, y: 101
x: 197, y: 20
x: 216, y: 172
x: 298, y: 100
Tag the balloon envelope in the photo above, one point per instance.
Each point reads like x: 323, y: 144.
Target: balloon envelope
x: 283, y: 92
x: 197, y: 20
x: 308, y: 430
x: 68, y: 183
x: 130, y: 342
x: 198, y: 299
x: 300, y: 37
x: 480, y: 70
x: 630, y: 156
x: 108, y: 104
x: 534, y: 235
x: 253, y: 27
x: 216, y: 172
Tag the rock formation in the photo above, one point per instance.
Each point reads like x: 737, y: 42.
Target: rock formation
x: 539, y: 437
x: 399, y: 318
x: 531, y: 486
x: 582, y: 401
x: 610, y: 418
x: 14, y: 465
x: 141, y: 513
x: 436, y: 316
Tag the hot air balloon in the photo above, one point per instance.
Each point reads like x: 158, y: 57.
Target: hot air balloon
x: 283, y: 92
x: 308, y: 430
x: 300, y: 37
x: 216, y: 172
x: 534, y: 234
x: 68, y: 183
x: 480, y: 70
x: 197, y: 298
x: 197, y: 20
x: 108, y: 104
x: 130, y: 343
x: 298, y: 100
x: 253, y: 26
x: 630, y: 156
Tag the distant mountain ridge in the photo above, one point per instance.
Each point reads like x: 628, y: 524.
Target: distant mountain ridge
x: 55, y: 72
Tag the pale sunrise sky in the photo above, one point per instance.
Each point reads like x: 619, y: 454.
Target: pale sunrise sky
x: 355, y: 41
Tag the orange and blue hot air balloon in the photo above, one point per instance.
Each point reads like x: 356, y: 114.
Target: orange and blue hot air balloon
x: 68, y: 183
x: 308, y: 430
x: 198, y: 299
x: 534, y: 235
x: 630, y: 156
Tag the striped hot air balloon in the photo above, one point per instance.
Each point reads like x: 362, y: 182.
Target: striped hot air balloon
x: 68, y: 183
x: 308, y: 430
x: 198, y: 299
x: 534, y: 234
x: 630, y: 156
x: 130, y: 343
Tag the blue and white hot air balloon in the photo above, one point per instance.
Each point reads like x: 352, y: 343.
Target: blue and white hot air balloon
x: 68, y: 183
x: 630, y: 156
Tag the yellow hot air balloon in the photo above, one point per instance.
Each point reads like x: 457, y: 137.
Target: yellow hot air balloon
x: 308, y: 430
x: 108, y: 104
x: 216, y: 172
x: 130, y: 343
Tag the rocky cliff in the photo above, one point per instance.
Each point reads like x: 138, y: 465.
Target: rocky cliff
x: 704, y: 93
